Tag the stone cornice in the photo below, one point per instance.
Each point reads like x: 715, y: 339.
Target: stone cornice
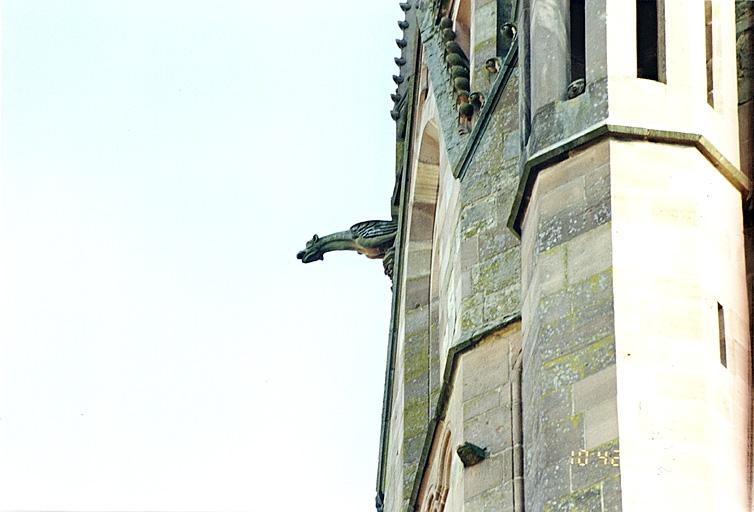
x: 560, y: 151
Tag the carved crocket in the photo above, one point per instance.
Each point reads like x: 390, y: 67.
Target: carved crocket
x: 372, y: 238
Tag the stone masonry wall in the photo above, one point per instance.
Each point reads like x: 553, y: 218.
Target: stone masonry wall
x: 569, y: 397
x: 683, y: 389
x: 488, y: 396
x: 480, y: 412
x: 477, y: 276
x: 560, y: 277
x: 478, y: 267
x: 490, y: 257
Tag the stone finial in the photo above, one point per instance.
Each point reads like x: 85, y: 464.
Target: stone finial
x: 471, y: 454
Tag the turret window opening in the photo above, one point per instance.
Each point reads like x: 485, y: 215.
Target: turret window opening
x: 721, y: 335
x: 650, y: 39
x: 709, y: 49
x: 461, y: 13
x: 577, y: 35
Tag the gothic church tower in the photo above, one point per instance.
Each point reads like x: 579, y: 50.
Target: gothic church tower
x: 570, y: 233
x: 634, y: 305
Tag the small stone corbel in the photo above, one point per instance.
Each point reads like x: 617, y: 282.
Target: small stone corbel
x: 576, y: 88
x: 471, y: 454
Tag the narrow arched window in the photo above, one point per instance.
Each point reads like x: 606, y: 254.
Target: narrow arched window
x: 461, y: 13
x: 577, y: 33
x: 710, y: 53
x: 650, y: 39
x: 439, y: 486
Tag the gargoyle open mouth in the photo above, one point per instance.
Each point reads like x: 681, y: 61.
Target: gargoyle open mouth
x: 372, y: 238
x: 312, y: 251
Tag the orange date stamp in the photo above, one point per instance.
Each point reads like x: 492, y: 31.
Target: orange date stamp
x: 600, y: 457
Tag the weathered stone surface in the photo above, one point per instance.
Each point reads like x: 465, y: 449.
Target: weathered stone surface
x: 587, y: 500
x: 570, y: 223
x: 493, y: 274
x: 611, y: 494
x: 500, y: 304
x: 482, y: 403
x: 560, y: 276
x: 558, y: 120
x: 568, y: 329
x: 745, y: 49
x: 595, y: 389
x: 601, y: 423
x: 486, y: 475
x: 417, y: 292
x: 490, y: 368
x: 477, y: 217
x: 497, y: 499
x: 490, y: 430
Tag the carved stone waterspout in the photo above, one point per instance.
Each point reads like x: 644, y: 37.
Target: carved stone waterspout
x: 372, y: 238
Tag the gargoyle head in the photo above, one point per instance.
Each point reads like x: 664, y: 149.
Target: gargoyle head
x: 312, y: 251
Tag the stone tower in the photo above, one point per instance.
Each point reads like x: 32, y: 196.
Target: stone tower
x: 570, y: 233
x: 634, y: 307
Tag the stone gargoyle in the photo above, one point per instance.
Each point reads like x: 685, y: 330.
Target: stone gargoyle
x: 372, y: 238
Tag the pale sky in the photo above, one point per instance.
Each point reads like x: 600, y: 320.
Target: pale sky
x: 161, y: 348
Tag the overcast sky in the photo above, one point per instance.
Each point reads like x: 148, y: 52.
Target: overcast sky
x: 161, y: 348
